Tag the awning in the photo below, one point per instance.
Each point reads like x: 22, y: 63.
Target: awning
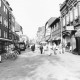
x: 3, y: 39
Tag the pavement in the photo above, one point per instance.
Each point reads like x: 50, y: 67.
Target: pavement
x: 35, y: 66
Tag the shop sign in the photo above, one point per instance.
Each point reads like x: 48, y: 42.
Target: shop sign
x: 69, y: 27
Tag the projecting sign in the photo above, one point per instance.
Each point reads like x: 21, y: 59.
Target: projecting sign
x: 69, y: 27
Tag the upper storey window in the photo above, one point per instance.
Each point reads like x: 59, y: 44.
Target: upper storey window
x: 75, y: 12
x: 71, y: 15
x: 0, y: 19
x: 0, y: 3
x: 67, y: 18
x: 13, y: 20
x: 4, y: 9
x: 64, y: 21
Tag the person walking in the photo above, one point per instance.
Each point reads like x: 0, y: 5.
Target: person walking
x: 50, y: 49
x: 41, y: 49
x: 33, y: 47
x: 54, y: 48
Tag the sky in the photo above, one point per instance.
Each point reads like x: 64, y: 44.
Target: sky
x: 31, y: 14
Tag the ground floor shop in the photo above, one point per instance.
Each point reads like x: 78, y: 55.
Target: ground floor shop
x: 4, y: 44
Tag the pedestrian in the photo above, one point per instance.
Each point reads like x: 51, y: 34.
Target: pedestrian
x: 50, y: 49
x: 54, y: 48
x: 33, y: 47
x: 41, y: 48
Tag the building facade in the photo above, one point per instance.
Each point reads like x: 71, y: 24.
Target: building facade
x: 56, y: 30
x: 40, y: 34
x: 7, y: 25
x: 70, y: 17
x: 48, y: 29
x: 18, y: 30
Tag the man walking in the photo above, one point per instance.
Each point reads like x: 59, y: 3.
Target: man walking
x: 41, y: 49
x: 33, y: 47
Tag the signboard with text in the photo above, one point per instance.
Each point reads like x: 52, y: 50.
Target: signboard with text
x: 69, y: 27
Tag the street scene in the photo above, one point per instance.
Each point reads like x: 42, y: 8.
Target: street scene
x: 40, y: 40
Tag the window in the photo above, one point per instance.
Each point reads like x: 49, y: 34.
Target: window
x: 71, y: 15
x: 4, y: 22
x: 0, y: 19
x: 54, y: 27
x: 6, y: 35
x: 64, y: 21
x: 0, y: 32
x: 4, y: 8
x: 13, y: 20
x: 13, y: 28
x: 0, y: 3
x: 79, y: 8
x: 67, y: 18
x: 75, y: 12
x: 57, y: 26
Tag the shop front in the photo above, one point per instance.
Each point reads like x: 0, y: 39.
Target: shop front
x: 3, y: 44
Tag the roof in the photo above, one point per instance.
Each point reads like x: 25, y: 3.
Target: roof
x: 51, y: 20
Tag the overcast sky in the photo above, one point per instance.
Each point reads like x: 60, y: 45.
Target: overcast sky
x: 31, y: 14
